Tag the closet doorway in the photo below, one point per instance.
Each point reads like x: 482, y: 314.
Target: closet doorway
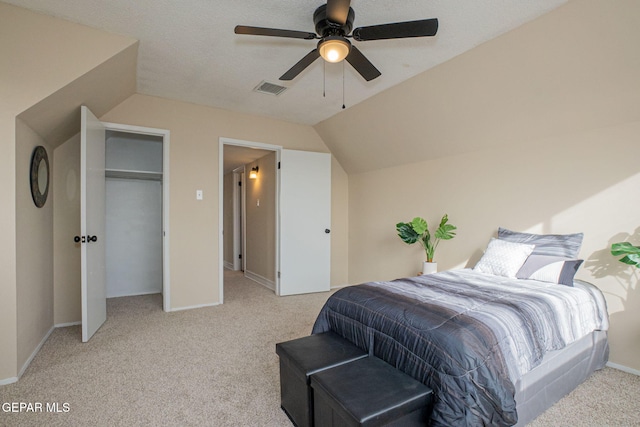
x: 133, y: 243
x: 137, y: 203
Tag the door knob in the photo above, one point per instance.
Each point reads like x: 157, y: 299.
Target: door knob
x: 326, y: 230
x: 92, y: 238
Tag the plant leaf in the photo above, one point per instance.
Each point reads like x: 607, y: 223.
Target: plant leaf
x: 624, y: 248
x: 419, y: 225
x: 444, y: 220
x: 631, y: 259
x: 446, y: 232
x: 631, y: 253
x: 407, y: 233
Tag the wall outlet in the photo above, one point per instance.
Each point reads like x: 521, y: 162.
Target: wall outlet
x: 198, y: 194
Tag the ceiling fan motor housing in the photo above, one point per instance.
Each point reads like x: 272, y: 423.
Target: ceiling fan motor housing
x: 325, y: 28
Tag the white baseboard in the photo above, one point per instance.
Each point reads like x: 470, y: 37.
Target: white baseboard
x: 35, y: 351
x: 269, y: 284
x: 191, y: 307
x: 623, y: 368
x: 65, y: 325
x: 228, y: 265
x: 10, y: 380
x: 26, y: 364
x: 134, y: 294
x: 340, y: 286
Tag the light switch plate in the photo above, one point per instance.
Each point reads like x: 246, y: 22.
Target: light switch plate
x: 198, y: 194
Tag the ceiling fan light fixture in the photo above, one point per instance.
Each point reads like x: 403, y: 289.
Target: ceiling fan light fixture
x: 334, y: 48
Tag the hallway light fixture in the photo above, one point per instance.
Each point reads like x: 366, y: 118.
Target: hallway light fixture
x: 254, y: 173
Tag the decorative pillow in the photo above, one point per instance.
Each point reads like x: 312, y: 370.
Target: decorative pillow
x: 562, y: 245
x: 503, y: 258
x: 551, y: 269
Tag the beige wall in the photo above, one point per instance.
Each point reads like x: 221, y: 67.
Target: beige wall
x: 47, y: 54
x: 261, y: 221
x: 40, y: 56
x: 536, y: 130
x: 195, y: 132
x: 66, y: 225
x: 339, y: 225
x: 8, y: 299
x: 34, y: 246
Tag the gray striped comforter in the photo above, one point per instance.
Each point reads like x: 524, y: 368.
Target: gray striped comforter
x: 469, y: 336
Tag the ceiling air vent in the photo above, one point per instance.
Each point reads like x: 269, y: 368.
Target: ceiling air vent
x: 270, y: 88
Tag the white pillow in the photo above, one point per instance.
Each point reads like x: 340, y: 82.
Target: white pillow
x: 503, y: 258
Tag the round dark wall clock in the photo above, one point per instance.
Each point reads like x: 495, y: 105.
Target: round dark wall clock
x: 39, y: 176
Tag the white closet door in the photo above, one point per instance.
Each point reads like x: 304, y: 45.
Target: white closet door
x: 92, y: 223
x: 305, y: 222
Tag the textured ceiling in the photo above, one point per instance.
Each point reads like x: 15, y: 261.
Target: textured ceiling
x: 188, y: 50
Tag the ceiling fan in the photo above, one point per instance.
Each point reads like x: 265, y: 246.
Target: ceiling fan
x: 333, y: 22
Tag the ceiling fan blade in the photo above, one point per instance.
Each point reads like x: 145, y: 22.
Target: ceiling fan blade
x: 301, y: 65
x: 274, y: 32
x: 398, y: 30
x: 362, y: 64
x: 338, y: 10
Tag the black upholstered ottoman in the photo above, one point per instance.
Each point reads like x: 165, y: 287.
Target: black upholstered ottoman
x: 303, y: 357
x: 369, y: 392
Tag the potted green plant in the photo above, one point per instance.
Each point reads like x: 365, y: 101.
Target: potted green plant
x: 631, y: 253
x: 418, y: 231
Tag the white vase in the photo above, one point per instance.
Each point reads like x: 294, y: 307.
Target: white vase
x: 429, y: 267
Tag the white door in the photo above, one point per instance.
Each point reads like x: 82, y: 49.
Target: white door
x: 305, y: 222
x: 92, y: 223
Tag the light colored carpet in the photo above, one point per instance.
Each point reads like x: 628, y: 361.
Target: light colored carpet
x: 217, y: 366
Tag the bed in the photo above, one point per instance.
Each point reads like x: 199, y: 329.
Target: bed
x: 496, y: 349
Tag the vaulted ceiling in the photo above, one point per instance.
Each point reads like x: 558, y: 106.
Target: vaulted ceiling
x: 188, y: 50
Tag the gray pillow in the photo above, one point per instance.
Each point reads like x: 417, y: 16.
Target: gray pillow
x: 562, y: 245
x: 551, y: 269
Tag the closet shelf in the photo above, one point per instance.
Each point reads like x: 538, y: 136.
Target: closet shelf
x: 129, y: 174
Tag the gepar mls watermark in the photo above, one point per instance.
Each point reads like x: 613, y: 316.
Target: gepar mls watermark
x: 36, y: 407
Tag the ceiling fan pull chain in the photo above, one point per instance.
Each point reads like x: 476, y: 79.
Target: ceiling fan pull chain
x: 324, y: 79
x: 343, y: 107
